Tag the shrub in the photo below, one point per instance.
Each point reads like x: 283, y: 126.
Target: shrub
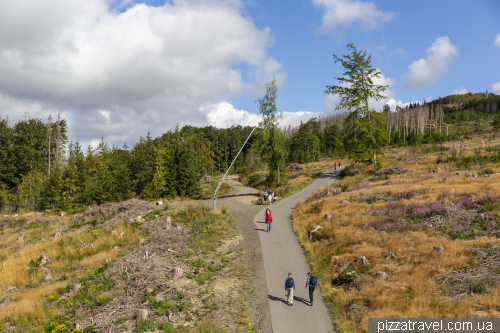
x: 479, y: 288
x: 253, y: 178
x: 144, y: 325
x: 164, y: 307
x: 104, y: 298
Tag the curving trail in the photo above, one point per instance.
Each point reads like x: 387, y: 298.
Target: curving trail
x: 282, y: 255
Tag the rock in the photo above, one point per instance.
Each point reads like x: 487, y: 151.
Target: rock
x: 149, y: 290
x: 107, y: 260
x: 20, y: 239
x: 48, y: 278
x: 62, y: 214
x: 361, y: 243
x: 23, y: 234
x: 159, y: 203
x: 12, y: 289
x: 75, y: 287
x: 57, y: 235
x: 45, y: 270
x: 141, y: 240
x: 139, y: 218
x: 382, y: 233
x: 438, y: 249
x: 363, y: 260
x: 328, y: 216
x: 42, y: 259
x: 79, y: 325
x: 343, y: 201
x: 311, y: 233
x: 178, y: 272
x: 382, y: 275
x: 142, y: 314
x: 391, y: 256
x: 295, y: 167
x: 116, y: 248
x: 458, y: 174
x: 168, y: 223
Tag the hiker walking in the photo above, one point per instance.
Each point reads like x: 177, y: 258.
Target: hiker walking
x: 289, y: 288
x: 265, y: 196
x: 340, y: 165
x: 312, y: 283
x: 271, y: 197
x: 274, y: 198
x: 269, y: 219
x: 335, y: 165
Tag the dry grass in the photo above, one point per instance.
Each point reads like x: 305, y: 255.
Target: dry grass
x: 413, y: 288
x: 71, y: 255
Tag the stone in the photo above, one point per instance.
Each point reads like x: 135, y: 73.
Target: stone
x: 168, y: 223
x: 343, y: 201
x: 57, y: 235
x: 382, y: 275
x: 20, y: 239
x: 149, y: 290
x: 12, y: 289
x: 328, y: 216
x: 23, y: 234
x: 382, y: 233
x: 107, y: 260
x: 361, y: 243
x: 159, y: 203
x: 142, y: 314
x: 391, y: 256
x: 75, y: 287
x: 139, y: 218
x: 62, y: 214
x: 458, y: 174
x: 79, y: 325
x: 116, y: 248
x: 42, y: 259
x: 363, y: 260
x: 48, y: 278
x: 438, y: 249
x: 141, y: 240
x: 311, y: 233
x: 178, y: 272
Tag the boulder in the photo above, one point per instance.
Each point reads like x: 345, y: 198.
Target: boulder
x: 141, y: 240
x: 391, y: 256
x: 363, y: 260
x: 295, y: 167
x: 361, y: 243
x: 20, y: 239
x: 159, y: 203
x: 328, y: 216
x: 42, y: 259
x: 142, y: 314
x: 438, y: 249
x: 382, y: 275
x: 344, y: 201
x: 57, y: 235
x: 75, y: 287
x: 48, y: 278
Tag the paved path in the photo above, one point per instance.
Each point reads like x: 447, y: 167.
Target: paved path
x: 282, y: 255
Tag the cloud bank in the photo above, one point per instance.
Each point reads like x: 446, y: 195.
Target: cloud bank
x: 426, y: 71
x: 341, y: 14
x: 496, y: 87
x: 497, y: 41
x: 120, y: 75
x: 460, y: 91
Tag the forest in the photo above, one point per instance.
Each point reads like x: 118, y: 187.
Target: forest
x: 42, y: 169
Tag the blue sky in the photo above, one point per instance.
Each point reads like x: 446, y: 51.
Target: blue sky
x: 121, y: 68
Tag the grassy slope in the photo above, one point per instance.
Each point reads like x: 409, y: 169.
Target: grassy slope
x: 413, y: 288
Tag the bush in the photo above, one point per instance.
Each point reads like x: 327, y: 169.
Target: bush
x: 253, y: 178
x: 104, y: 298
x: 144, y: 325
x: 479, y: 288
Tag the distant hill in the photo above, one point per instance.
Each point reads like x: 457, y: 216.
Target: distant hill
x: 485, y: 102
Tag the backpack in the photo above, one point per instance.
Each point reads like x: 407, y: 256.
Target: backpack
x: 314, y: 280
x: 289, y: 282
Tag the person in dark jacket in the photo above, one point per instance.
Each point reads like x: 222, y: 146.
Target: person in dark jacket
x: 289, y: 288
x: 312, y: 283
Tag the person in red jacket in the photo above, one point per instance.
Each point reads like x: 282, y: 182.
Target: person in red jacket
x: 269, y: 219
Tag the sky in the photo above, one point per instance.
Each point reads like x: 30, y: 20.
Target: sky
x: 118, y: 69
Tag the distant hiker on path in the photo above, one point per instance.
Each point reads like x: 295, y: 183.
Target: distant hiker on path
x: 289, y: 288
x: 271, y: 197
x: 312, y: 282
x: 265, y: 196
x: 269, y: 219
x: 274, y: 197
x: 335, y: 165
x: 340, y: 165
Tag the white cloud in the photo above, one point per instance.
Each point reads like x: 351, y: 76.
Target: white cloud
x: 497, y: 41
x: 426, y: 71
x: 460, y: 91
x: 224, y: 114
x: 341, y: 14
x: 496, y: 87
x: 120, y: 75
x: 429, y: 98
